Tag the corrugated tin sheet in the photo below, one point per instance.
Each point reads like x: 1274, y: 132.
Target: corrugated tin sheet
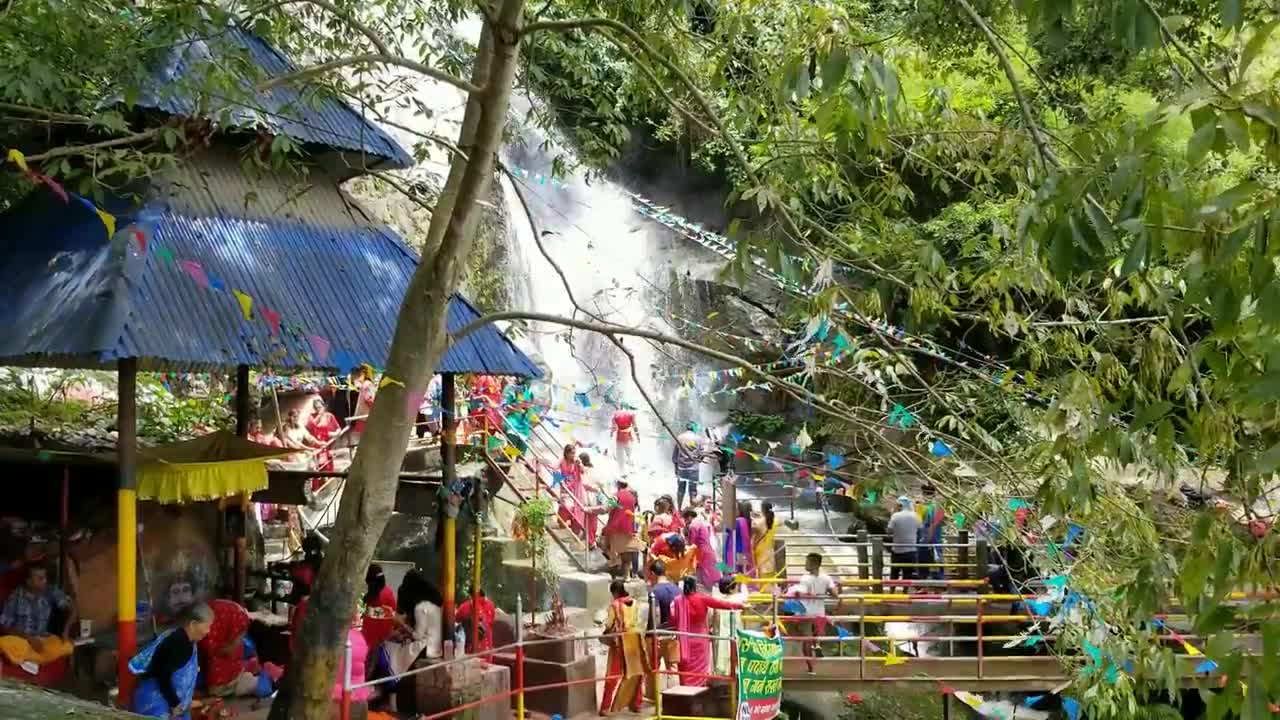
x: 70, y: 297
x: 297, y: 110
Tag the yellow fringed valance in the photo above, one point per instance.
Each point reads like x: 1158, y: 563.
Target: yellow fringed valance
x: 169, y: 484
x: 212, y: 467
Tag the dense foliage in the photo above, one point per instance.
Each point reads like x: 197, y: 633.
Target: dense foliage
x: 1075, y: 200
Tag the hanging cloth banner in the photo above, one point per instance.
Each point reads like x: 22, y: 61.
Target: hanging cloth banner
x: 759, y: 676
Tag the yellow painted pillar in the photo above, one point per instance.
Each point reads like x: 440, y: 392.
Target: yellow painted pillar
x: 450, y: 562
x: 126, y: 587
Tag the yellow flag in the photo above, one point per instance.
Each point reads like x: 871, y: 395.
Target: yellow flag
x: 109, y: 220
x: 894, y: 660
x: 388, y: 380
x: 1191, y: 650
x: 17, y: 158
x: 511, y: 452
x: 246, y: 304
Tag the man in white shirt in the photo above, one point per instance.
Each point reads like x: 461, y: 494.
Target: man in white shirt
x: 904, y: 532
x: 813, y: 589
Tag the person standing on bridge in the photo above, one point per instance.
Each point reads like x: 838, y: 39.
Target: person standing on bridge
x: 812, y: 591
x: 904, y: 530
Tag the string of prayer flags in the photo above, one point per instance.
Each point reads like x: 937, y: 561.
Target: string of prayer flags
x: 1071, y: 707
x: 1074, y: 532
x: 511, y: 452
x: 582, y: 399
x: 388, y: 380
x: 1031, y: 700
x: 939, y: 448
x: 803, y: 441
x: 163, y: 255
x: 834, y: 461
x: 197, y: 273
x: 959, y: 521
x: 273, y: 319
x: 246, y: 306
x: 320, y: 346
x: 1207, y: 666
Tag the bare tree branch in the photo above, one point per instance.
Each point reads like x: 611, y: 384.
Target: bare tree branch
x: 1183, y: 51
x: 345, y: 16
x: 369, y: 58
x: 89, y: 148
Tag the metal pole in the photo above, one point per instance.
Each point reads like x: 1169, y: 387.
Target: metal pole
x: 519, y: 661
x: 126, y: 526
x: 946, y: 706
x: 979, y: 634
x: 964, y: 555
x: 877, y: 562
x: 346, y: 681
x: 864, y: 562
x: 654, y: 646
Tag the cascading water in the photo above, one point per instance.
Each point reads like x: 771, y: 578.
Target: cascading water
x: 619, y: 267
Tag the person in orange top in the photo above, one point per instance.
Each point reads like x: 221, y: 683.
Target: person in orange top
x: 679, y: 559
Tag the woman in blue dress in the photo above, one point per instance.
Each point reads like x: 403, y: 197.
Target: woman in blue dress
x: 168, y: 667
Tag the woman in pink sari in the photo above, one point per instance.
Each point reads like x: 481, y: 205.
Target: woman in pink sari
x: 689, y: 614
x: 702, y: 538
x: 573, y: 497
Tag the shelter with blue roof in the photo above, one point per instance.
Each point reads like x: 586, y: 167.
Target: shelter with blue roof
x: 222, y: 263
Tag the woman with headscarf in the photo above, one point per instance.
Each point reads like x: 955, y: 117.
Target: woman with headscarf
x: 624, y: 681
x: 690, y: 612
x: 702, y: 538
x: 379, y: 608
x: 762, y: 539
x: 168, y: 667
x: 222, y: 651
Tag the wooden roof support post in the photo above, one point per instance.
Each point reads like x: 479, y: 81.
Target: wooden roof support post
x: 241, y: 547
x: 127, y: 525
x: 449, y: 458
x: 242, y: 400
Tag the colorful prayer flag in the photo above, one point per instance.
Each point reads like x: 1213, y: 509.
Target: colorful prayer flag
x: 273, y: 319
x: 17, y: 158
x: 193, y: 268
x: 246, y: 303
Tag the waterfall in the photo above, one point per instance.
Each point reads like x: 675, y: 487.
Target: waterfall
x: 620, y: 267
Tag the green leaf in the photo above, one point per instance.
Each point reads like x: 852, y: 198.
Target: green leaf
x: 1255, y: 45
x: 1137, y: 255
x: 1150, y: 413
x: 1201, y: 142
x: 834, y: 68
x: 1230, y: 199
x: 1236, y: 126
x: 1268, y: 461
x: 1232, y: 12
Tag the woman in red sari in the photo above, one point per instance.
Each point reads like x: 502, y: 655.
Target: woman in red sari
x: 322, y: 425
x: 689, y: 613
x: 222, y: 651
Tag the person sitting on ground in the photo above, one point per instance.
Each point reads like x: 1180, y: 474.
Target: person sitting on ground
x: 486, y: 613
x: 420, y: 631
x: 678, y: 558
x: 168, y: 667
x: 27, y: 635
x: 222, y: 652
x: 812, y: 590
x: 904, y: 528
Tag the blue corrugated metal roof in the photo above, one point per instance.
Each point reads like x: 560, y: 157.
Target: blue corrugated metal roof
x: 70, y: 297
x: 297, y: 111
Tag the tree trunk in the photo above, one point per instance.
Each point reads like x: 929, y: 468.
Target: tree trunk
x: 420, y: 341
